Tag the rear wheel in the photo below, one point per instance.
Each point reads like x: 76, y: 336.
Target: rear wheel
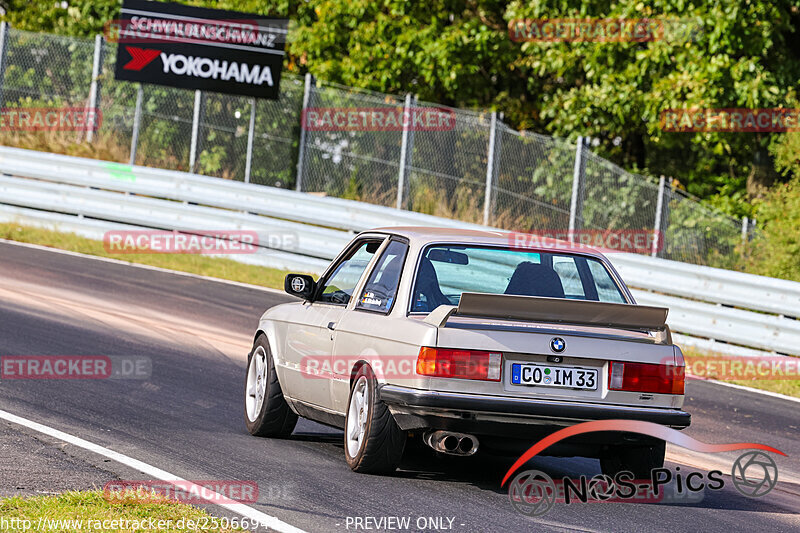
x: 266, y: 412
x: 639, y: 460
x: 373, y: 442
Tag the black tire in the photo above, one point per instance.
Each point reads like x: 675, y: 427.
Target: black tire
x: 383, y: 443
x: 639, y: 460
x: 275, y: 419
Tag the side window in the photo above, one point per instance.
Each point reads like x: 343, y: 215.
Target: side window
x: 567, y: 270
x: 607, y: 290
x: 339, y: 286
x: 380, y: 290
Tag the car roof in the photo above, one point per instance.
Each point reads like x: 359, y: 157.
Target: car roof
x: 421, y: 235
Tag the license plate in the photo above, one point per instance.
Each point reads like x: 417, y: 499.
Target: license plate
x: 553, y: 376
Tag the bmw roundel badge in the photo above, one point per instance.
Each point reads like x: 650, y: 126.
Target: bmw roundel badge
x: 557, y: 344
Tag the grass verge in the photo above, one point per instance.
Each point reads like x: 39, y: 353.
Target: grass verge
x: 90, y: 511
x: 719, y: 367
x: 193, y: 263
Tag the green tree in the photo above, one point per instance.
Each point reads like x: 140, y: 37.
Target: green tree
x: 458, y: 53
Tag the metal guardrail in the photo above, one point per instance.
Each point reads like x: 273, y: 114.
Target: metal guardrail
x: 90, y: 197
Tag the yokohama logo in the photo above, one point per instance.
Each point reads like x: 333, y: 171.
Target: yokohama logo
x: 201, y: 67
x: 140, y: 57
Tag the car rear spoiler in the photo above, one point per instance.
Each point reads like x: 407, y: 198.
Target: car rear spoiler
x: 557, y: 310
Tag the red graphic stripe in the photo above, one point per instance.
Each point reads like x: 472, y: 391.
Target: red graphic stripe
x: 634, y: 426
x: 140, y: 57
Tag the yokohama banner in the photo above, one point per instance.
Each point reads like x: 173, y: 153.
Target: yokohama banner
x: 198, y: 48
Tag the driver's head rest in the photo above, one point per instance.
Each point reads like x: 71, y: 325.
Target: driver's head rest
x: 534, y: 279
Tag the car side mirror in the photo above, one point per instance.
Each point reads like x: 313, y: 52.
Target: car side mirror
x: 300, y: 285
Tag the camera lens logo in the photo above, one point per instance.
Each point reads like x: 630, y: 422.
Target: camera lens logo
x: 532, y: 493
x: 298, y: 284
x: 754, y: 474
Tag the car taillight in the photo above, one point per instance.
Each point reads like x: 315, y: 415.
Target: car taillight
x: 463, y: 364
x: 644, y: 377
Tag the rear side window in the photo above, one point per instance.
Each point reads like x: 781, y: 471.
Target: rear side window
x: 380, y: 290
x: 447, y: 270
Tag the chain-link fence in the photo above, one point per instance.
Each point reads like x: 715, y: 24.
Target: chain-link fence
x: 469, y: 166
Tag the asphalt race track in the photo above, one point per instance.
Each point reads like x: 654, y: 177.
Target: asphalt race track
x: 187, y: 418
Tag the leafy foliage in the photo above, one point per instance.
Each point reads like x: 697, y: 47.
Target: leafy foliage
x: 776, y: 250
x: 458, y: 52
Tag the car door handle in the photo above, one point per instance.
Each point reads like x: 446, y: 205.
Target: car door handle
x: 331, y: 325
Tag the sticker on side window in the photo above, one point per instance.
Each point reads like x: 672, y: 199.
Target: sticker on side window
x: 369, y: 298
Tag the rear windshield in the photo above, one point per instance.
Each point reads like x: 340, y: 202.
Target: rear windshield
x: 445, y: 271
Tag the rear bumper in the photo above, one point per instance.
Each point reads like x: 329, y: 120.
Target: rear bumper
x: 491, y: 415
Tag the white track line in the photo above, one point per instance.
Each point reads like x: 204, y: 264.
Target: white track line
x: 139, y: 265
x: 238, y: 508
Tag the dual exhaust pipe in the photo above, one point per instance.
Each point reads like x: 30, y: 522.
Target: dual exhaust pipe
x: 451, y: 443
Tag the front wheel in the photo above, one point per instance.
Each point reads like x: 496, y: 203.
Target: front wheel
x: 373, y: 442
x: 266, y: 412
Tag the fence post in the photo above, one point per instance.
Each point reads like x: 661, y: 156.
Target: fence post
x: 94, y: 90
x: 251, y: 133
x: 487, y: 197
x: 198, y: 101
x: 576, y: 203
x: 137, y: 119
x: 745, y: 222
x: 4, y: 31
x: 657, y: 241
x: 410, y: 158
x: 301, y: 151
x: 401, y: 178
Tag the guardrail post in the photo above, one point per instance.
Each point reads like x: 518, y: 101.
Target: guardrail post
x: 657, y: 241
x: 198, y: 101
x: 94, y: 90
x: 250, y: 138
x: 401, y: 177
x: 301, y: 150
x: 487, y: 197
x: 576, y: 203
x: 4, y: 31
x: 137, y: 119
